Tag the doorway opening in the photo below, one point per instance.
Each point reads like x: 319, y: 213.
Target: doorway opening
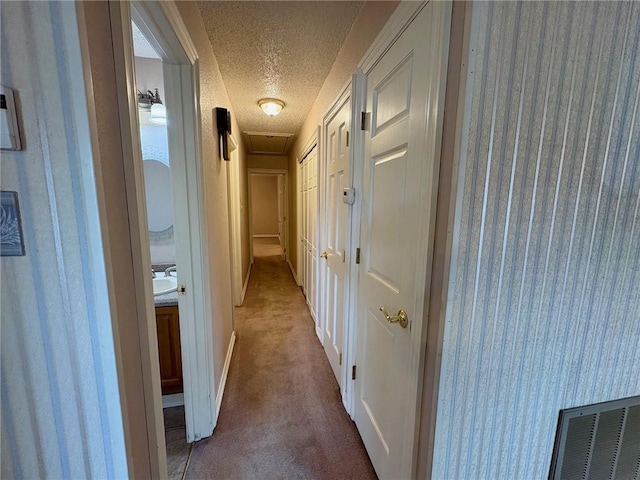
x: 268, y: 213
x: 160, y: 206
x: 167, y: 166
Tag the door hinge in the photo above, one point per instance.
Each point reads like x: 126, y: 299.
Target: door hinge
x: 347, y: 138
x: 353, y: 372
x: 340, y: 359
x: 358, y: 256
x: 363, y: 120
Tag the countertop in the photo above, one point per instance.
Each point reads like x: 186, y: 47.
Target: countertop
x: 166, y: 300
x: 169, y: 299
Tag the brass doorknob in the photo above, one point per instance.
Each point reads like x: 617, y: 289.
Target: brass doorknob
x: 401, y: 318
x: 324, y: 255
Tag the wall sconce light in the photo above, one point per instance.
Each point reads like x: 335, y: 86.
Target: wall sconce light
x: 152, y: 102
x: 223, y: 123
x: 271, y: 106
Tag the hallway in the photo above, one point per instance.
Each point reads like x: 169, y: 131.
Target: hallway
x: 281, y: 415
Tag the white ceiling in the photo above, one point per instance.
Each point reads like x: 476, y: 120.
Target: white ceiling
x: 141, y: 46
x: 281, y: 50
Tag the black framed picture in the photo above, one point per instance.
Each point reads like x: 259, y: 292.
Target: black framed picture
x: 11, y: 239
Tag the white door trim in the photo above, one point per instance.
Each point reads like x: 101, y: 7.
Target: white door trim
x: 120, y: 17
x: 451, y: 180
x: 268, y: 172
x: 358, y: 105
x: 162, y: 23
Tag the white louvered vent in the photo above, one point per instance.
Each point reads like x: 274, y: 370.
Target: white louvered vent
x: 600, y: 441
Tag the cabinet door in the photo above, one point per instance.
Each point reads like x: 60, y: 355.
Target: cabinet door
x: 168, y: 328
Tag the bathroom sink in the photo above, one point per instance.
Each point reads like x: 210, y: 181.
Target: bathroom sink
x: 164, y: 285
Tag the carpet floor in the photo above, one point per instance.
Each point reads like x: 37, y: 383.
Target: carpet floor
x: 281, y: 416
x: 266, y: 247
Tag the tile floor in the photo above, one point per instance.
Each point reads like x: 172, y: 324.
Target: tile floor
x: 178, y: 450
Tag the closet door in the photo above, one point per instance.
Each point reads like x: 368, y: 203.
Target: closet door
x: 309, y: 240
x: 313, y: 234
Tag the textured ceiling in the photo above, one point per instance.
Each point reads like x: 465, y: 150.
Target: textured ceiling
x: 282, y: 50
x: 141, y: 46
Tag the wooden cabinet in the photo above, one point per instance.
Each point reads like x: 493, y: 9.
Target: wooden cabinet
x: 168, y: 328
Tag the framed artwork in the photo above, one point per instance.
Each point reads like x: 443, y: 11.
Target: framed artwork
x: 11, y: 239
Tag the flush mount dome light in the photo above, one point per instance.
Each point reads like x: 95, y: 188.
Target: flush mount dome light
x: 271, y: 106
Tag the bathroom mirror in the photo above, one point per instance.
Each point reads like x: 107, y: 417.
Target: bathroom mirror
x: 157, y: 179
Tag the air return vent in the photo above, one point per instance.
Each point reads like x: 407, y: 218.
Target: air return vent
x: 598, y: 442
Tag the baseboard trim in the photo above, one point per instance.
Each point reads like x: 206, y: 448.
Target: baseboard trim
x: 173, y: 400
x: 266, y: 236
x: 293, y: 272
x: 246, y: 284
x: 225, y: 372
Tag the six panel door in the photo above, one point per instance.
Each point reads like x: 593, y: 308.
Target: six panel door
x: 395, y: 203
x: 336, y: 225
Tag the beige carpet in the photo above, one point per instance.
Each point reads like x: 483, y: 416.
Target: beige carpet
x: 266, y: 247
x: 281, y: 417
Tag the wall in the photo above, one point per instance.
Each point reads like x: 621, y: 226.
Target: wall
x: 544, y: 306
x: 59, y: 388
x: 270, y: 162
x: 372, y: 18
x: 264, y: 205
x: 213, y: 94
x: 153, y: 140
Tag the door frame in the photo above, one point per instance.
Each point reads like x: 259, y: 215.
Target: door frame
x: 347, y: 93
x: 358, y: 105
x: 272, y: 172
x: 449, y: 185
x: 235, y: 222
x: 401, y: 18
x: 162, y: 24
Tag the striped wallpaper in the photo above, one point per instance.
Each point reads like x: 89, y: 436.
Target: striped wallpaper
x: 544, y: 297
x: 60, y: 403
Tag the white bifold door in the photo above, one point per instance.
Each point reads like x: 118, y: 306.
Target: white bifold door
x: 405, y: 91
x: 336, y: 223
x: 309, y: 240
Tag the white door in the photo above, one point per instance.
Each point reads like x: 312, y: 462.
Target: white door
x: 312, y: 219
x: 401, y: 150
x: 336, y: 225
x: 305, y: 228
x: 309, y: 194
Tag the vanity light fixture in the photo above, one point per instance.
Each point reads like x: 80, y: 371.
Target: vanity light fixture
x: 271, y: 106
x: 152, y: 102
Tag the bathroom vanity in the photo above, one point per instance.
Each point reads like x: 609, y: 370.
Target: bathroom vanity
x: 169, y: 352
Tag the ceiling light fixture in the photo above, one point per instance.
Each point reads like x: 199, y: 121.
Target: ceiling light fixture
x: 271, y: 106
